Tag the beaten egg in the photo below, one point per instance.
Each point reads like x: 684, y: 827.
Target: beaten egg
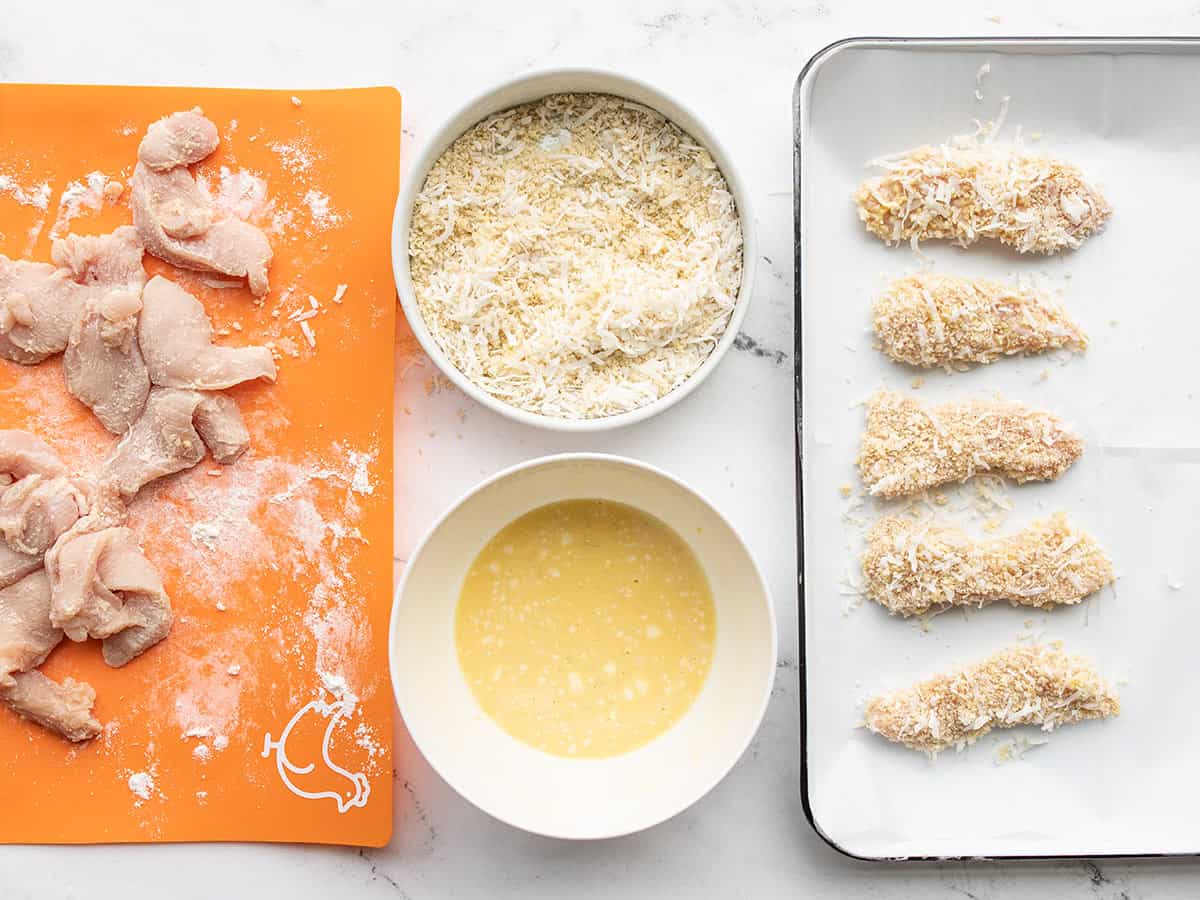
x: 585, y: 628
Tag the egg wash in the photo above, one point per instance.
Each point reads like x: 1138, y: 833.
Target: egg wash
x: 586, y: 628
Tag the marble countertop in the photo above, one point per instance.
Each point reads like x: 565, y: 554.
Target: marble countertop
x: 735, y: 63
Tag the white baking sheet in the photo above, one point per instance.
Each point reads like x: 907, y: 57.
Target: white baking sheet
x: 1125, y: 112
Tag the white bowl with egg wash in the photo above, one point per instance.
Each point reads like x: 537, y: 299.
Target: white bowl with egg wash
x: 528, y: 89
x: 556, y: 793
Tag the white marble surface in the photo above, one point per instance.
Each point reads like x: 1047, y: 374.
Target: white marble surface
x: 735, y: 63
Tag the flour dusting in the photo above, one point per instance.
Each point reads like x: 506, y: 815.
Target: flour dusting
x: 77, y: 197
x: 141, y: 784
x: 35, y: 195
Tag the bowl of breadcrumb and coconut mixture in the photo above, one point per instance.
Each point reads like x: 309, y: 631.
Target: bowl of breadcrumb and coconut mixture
x: 574, y: 250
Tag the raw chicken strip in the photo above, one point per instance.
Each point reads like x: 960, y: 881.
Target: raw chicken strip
x: 933, y: 320
x: 221, y: 427
x: 160, y: 442
x: 970, y: 188
x: 908, y: 447
x: 1024, y: 685
x: 39, y: 303
x: 37, y: 503
x: 910, y: 567
x: 22, y: 454
x: 177, y: 221
x: 15, y: 565
x: 176, y: 340
x: 103, y: 587
x: 103, y: 363
x: 37, y: 509
x: 65, y: 709
x: 171, y: 435
x: 26, y: 639
x: 26, y: 635
x: 180, y: 139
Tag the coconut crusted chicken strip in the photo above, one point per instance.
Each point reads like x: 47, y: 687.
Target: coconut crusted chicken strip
x: 931, y: 320
x: 177, y: 221
x: 1025, y: 685
x: 908, y: 447
x: 911, y: 567
x: 970, y: 188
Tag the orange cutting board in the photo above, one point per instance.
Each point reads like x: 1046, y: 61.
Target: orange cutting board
x: 279, y: 566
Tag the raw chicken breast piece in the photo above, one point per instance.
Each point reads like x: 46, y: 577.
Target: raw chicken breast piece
x: 177, y: 221
x: 65, y: 709
x: 103, y: 363
x: 37, y: 509
x: 171, y: 435
x: 39, y: 303
x: 162, y: 441
x: 102, y: 260
x: 26, y: 635
x: 22, y: 453
x: 37, y: 503
x: 176, y: 338
x: 15, y: 565
x: 180, y: 139
x: 103, y: 587
x: 26, y: 639
x: 221, y: 427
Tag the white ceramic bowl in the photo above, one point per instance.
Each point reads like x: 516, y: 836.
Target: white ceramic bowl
x: 525, y: 90
x: 557, y: 796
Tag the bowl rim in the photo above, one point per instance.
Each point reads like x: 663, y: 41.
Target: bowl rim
x: 617, y: 83
x: 755, y: 721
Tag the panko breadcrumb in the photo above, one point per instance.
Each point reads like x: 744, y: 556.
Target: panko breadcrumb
x: 970, y: 188
x: 911, y: 566
x: 1023, y: 685
x: 932, y: 320
x: 908, y: 447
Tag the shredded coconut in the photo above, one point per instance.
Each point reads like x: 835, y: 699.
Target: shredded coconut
x: 576, y: 257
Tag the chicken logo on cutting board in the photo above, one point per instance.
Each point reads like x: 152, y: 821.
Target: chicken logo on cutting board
x: 317, y: 777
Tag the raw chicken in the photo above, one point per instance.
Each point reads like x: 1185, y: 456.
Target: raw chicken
x: 65, y: 708
x: 180, y: 139
x: 221, y: 427
x: 160, y: 442
x: 26, y: 639
x: 22, y: 453
x: 171, y: 435
x: 39, y: 302
x: 103, y: 363
x: 102, y: 586
x: 177, y: 341
x: 178, y: 221
x: 37, y: 503
x: 26, y: 635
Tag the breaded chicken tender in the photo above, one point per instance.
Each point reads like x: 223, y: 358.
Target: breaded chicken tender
x: 910, y: 566
x: 1036, y: 684
x: 932, y: 320
x: 968, y: 189
x: 908, y: 447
